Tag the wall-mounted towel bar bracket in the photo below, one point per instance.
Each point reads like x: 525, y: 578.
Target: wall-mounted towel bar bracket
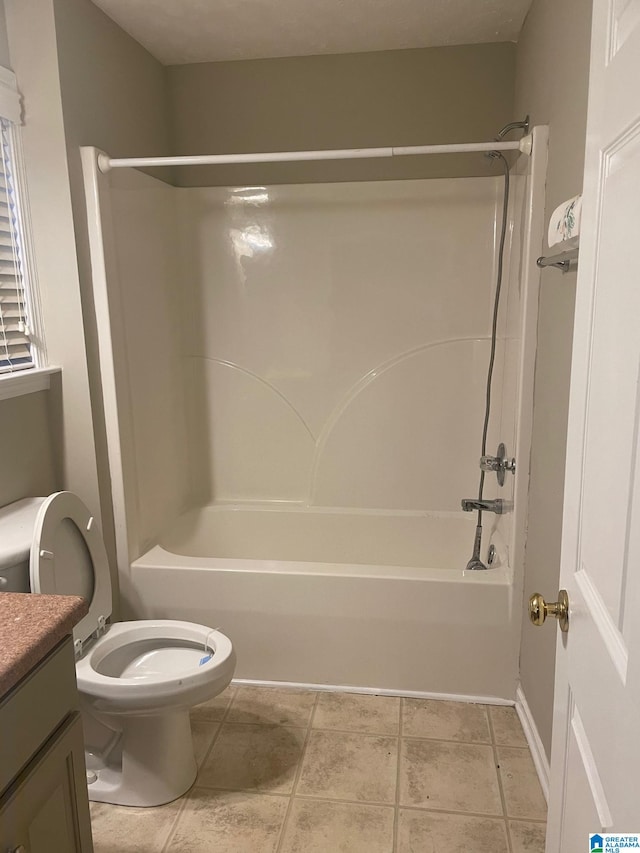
x: 561, y: 261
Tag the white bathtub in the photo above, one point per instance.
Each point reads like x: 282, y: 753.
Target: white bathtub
x: 364, y: 599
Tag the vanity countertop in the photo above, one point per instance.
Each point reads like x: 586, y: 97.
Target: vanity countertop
x: 30, y: 626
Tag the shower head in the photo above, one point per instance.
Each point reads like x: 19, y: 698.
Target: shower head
x: 513, y: 125
x: 475, y: 563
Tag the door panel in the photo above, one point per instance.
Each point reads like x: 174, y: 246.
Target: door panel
x: 595, y: 763
x: 612, y: 407
x: 579, y: 806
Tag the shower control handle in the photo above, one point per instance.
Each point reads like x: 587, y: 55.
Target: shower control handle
x: 490, y: 463
x: 539, y: 609
x: 499, y: 463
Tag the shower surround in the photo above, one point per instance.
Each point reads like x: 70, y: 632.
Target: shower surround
x: 336, y: 340
x: 293, y: 380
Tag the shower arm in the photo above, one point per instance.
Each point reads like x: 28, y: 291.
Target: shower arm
x: 514, y: 125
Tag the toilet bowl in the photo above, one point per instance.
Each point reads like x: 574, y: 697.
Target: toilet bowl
x: 145, y: 666
x: 137, y: 683
x: 137, y: 680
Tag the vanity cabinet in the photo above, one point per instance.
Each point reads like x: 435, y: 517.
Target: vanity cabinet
x: 44, y: 806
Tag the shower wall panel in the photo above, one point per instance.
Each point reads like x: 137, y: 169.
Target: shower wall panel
x: 503, y: 424
x: 511, y: 411
x: 336, y: 340
x: 151, y: 396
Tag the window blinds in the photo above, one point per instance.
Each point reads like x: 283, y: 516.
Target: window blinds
x: 15, y: 347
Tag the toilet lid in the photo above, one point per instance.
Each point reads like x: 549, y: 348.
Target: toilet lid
x: 68, y: 557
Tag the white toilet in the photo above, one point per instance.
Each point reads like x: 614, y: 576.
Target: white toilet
x: 137, y: 680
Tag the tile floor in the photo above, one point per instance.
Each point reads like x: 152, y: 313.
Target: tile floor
x: 284, y: 771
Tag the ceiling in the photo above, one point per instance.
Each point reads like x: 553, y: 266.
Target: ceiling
x: 182, y: 31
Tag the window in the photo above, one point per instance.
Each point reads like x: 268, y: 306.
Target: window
x: 15, y: 346
x: 18, y: 342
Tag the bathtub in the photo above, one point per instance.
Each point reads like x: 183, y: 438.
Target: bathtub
x: 369, y: 600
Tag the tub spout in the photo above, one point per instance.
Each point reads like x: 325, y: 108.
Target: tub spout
x: 498, y: 506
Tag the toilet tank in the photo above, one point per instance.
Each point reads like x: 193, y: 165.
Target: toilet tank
x: 17, y: 521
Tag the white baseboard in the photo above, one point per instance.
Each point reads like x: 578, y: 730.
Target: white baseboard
x: 378, y: 691
x: 533, y: 739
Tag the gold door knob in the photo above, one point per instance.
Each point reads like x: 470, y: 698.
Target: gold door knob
x: 539, y: 609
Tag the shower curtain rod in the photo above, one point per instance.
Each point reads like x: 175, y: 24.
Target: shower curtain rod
x: 105, y: 162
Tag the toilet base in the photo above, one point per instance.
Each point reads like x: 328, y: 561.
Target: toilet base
x: 149, y: 760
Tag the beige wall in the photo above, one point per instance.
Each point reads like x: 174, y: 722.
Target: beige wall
x: 551, y: 84
x: 113, y: 97
x: 84, y: 81
x: 397, y: 97
x: 113, y: 90
x: 5, y: 59
x: 26, y: 457
x: 31, y: 36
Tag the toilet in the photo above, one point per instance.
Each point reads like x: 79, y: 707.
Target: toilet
x: 137, y: 680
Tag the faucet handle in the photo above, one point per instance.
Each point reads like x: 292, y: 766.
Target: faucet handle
x: 499, y: 463
x: 490, y: 463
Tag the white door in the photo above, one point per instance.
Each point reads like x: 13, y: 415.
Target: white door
x: 595, y: 765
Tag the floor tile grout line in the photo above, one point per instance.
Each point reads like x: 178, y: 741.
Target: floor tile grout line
x: 396, y: 811
x: 492, y: 731
x: 186, y: 795
x: 433, y: 810
x: 174, y: 823
x: 296, y: 778
x: 264, y: 722
x: 494, y: 738
x: 408, y: 808
x: 246, y: 792
x: 524, y: 748
x: 293, y: 725
x: 449, y: 740
x: 378, y: 803
x: 356, y: 731
x: 526, y: 820
x: 313, y: 712
x: 222, y: 721
x: 345, y: 802
x: 297, y: 726
x: 500, y: 785
x: 508, y: 817
x: 265, y: 792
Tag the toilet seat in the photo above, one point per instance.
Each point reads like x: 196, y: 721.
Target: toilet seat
x: 98, y: 671
x: 68, y: 557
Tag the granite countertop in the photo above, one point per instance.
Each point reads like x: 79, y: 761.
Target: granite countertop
x: 30, y: 626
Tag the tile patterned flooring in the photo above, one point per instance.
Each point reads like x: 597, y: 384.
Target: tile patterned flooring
x: 286, y: 771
